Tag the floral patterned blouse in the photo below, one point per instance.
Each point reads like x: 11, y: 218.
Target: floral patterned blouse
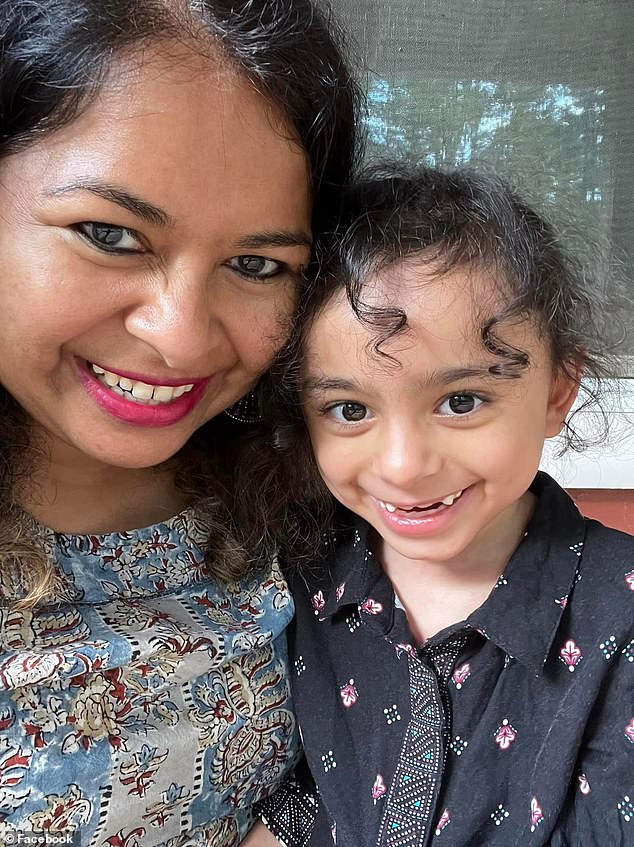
x: 151, y: 706
x: 513, y: 728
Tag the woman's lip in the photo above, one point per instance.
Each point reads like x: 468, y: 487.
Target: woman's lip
x: 139, y: 414
x: 150, y: 380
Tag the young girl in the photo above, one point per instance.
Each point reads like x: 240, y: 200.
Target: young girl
x: 463, y: 662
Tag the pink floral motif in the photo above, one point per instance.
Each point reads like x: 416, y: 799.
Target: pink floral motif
x: 378, y: 789
x: 444, y: 821
x: 405, y: 648
x: 505, y: 735
x: 318, y: 602
x: 563, y: 601
x: 629, y: 579
x: 349, y: 694
x: 461, y: 675
x: 629, y: 731
x: 570, y: 655
x: 339, y: 592
x: 584, y: 785
x: 537, y: 816
x: 371, y: 607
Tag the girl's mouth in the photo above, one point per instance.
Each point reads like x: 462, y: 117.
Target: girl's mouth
x: 421, y: 519
x: 414, y: 511
x: 137, y: 391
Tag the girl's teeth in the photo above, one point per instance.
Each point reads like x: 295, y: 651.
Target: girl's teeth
x: 449, y: 500
x: 137, y: 391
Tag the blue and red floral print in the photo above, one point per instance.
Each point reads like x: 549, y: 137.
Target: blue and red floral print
x: 151, y: 705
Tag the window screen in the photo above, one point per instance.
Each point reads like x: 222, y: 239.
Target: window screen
x: 542, y: 91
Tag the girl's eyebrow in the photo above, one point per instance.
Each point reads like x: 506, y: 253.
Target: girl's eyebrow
x: 445, y: 377
x: 321, y: 385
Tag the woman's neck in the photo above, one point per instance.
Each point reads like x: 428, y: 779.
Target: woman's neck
x: 75, y: 494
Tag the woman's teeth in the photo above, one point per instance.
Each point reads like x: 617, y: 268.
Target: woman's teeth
x: 449, y: 500
x: 137, y: 391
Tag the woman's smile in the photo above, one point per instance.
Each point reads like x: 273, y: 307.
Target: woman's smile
x: 143, y: 402
x: 187, y: 282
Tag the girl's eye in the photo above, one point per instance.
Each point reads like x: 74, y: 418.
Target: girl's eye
x: 256, y: 267
x: 348, y: 412
x: 110, y: 238
x: 460, y: 404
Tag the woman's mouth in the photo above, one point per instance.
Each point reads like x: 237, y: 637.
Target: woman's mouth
x: 137, y: 391
x: 138, y: 401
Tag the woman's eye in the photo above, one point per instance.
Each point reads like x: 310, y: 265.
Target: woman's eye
x: 256, y: 267
x: 460, y: 404
x: 349, y: 412
x: 110, y: 238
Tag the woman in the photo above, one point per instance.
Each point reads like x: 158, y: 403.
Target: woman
x: 160, y: 165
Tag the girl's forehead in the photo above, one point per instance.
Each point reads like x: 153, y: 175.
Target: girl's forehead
x: 428, y: 296
x: 445, y: 314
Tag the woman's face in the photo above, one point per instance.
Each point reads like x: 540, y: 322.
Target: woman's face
x: 149, y: 255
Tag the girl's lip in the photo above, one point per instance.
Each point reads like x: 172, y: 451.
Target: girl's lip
x: 420, y: 523
x: 150, y: 380
x: 138, y: 414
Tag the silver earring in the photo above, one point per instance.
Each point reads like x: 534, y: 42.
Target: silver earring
x: 246, y: 410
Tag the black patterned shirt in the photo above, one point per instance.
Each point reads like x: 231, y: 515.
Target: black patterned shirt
x: 513, y: 727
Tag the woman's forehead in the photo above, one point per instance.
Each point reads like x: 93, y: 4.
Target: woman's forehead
x: 199, y: 142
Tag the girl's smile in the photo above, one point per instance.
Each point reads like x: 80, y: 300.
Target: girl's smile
x: 429, y: 443
x: 420, y: 520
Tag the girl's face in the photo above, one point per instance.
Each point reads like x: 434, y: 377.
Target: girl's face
x: 150, y: 254
x: 434, y: 452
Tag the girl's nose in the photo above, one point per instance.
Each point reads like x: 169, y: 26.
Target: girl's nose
x: 177, y: 320
x: 408, y: 455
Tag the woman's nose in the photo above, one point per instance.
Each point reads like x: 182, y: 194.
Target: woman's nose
x: 177, y: 320
x: 408, y: 455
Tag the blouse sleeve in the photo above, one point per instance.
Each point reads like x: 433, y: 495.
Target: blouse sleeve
x: 291, y: 811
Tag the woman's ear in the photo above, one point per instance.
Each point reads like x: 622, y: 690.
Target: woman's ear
x: 563, y: 393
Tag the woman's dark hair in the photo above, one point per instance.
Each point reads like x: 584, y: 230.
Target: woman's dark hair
x: 55, y: 55
x: 445, y: 220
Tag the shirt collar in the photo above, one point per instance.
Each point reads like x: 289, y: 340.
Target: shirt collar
x: 524, y: 610
x: 354, y: 570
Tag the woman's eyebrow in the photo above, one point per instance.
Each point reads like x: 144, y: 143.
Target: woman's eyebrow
x: 115, y: 194
x: 278, y: 238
